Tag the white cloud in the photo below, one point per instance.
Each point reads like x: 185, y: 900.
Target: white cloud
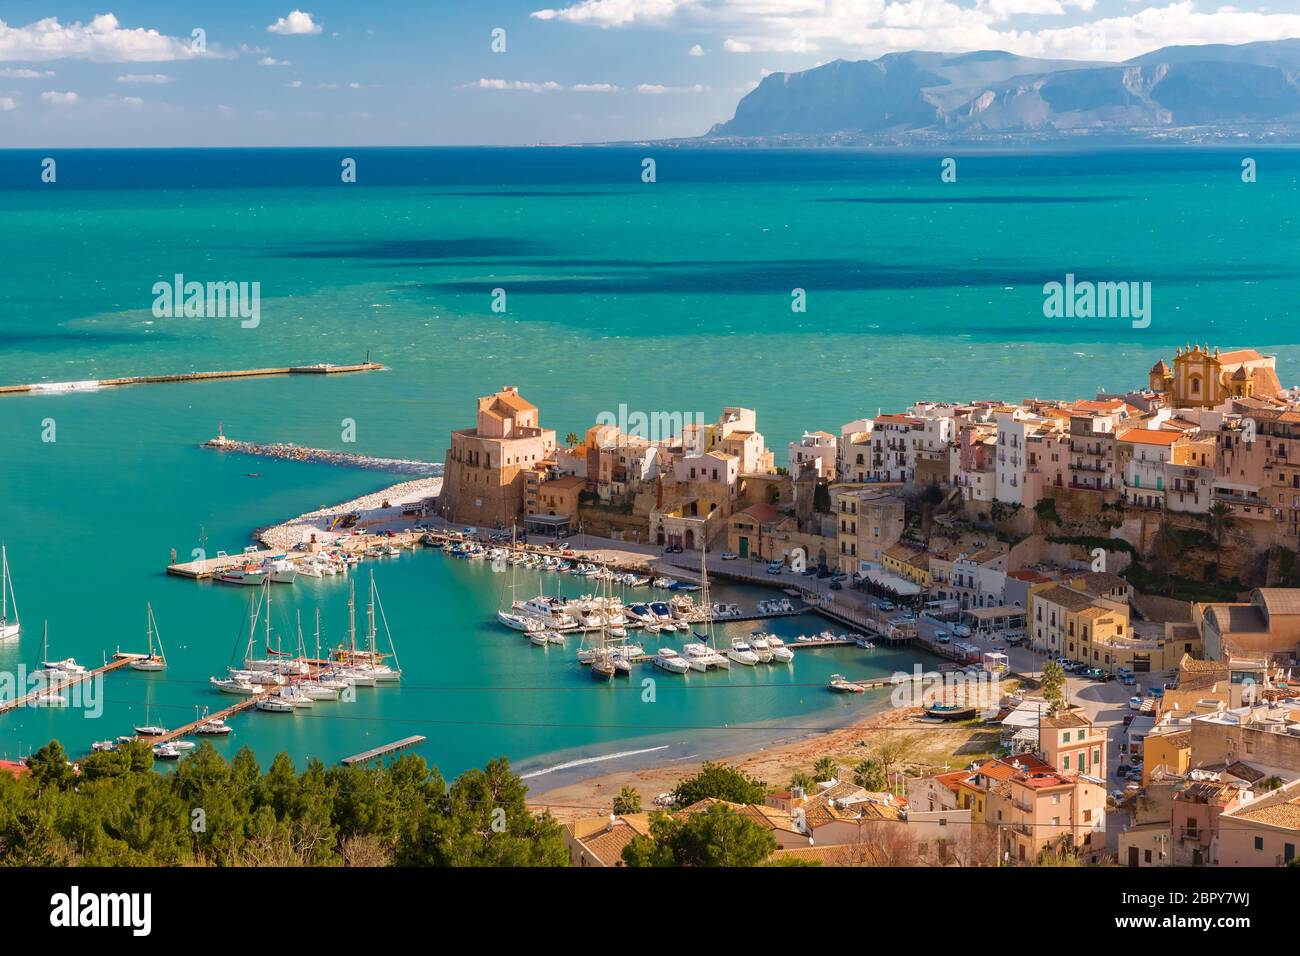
x: 549, y: 86
x: 696, y: 50
x: 614, y: 13
x: 151, y: 78
x: 868, y: 28
x: 14, y: 73
x: 132, y: 101
x: 296, y: 23
x: 658, y: 89
x: 272, y: 61
x: 59, y: 99
x: 594, y: 88
x: 7, y: 103
x: 294, y: 84
x: 101, y: 39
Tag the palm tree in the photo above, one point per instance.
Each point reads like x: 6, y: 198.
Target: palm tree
x: 825, y: 769
x: 572, y: 440
x: 1221, y: 523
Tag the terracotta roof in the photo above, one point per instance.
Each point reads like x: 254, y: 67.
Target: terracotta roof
x: 762, y: 513
x: 1068, y: 598
x: 13, y: 767
x: 1150, y: 436
x: 1064, y: 719
x: 834, y: 855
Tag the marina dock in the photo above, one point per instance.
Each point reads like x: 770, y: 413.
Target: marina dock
x: 119, y: 660
x: 375, y: 753
x: 91, y: 385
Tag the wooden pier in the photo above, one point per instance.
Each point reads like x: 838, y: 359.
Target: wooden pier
x: 90, y: 385
x: 211, y: 567
x: 375, y: 753
x: 119, y: 660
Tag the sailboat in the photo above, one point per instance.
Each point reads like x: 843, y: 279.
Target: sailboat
x: 366, y: 668
x: 318, y: 689
x: 239, y: 681
x: 150, y: 730
x: 8, y: 603
x: 154, y: 662
x: 48, y: 696
x: 601, y: 657
x: 704, y: 654
x: 54, y: 671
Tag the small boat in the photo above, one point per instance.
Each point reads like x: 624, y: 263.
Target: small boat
x: 949, y: 712
x: 668, y: 659
x: 762, y: 650
x: 280, y: 570
x: 181, y: 745
x: 166, y: 752
x: 101, y: 746
x: 216, y: 727
x: 841, y: 685
x: 249, y: 575
x: 154, y: 662
x: 48, y: 699
x: 151, y: 730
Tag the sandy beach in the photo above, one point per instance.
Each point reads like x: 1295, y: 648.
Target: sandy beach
x: 928, y: 746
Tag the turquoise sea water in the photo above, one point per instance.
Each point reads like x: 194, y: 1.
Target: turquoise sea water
x: 671, y: 296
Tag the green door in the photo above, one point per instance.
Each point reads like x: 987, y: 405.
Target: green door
x: 744, y: 547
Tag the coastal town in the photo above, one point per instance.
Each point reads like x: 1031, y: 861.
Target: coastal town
x: 1123, y: 564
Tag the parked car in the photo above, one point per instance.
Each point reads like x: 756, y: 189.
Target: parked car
x: 961, y: 630
x: 1095, y: 673
x: 942, y: 637
x: 775, y: 567
x: 835, y: 585
x: 1155, y: 693
x: 1122, y: 770
x: 1128, y: 680
x: 728, y: 556
x: 1065, y: 663
x: 886, y: 606
x: 1135, y: 703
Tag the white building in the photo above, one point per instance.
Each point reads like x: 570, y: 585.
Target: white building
x: 817, y: 449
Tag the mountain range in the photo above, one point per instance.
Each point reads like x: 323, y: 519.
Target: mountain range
x: 992, y: 93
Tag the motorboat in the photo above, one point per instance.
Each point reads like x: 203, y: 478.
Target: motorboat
x: 842, y: 685
x: 48, y: 699
x: 742, y: 653
x: 150, y: 730
x: 166, y: 752
x: 780, y: 653
x: 668, y: 659
x: 236, y: 685
x: 216, y: 727
x: 761, y: 648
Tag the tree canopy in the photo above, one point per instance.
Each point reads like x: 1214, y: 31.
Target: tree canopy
x: 118, y: 811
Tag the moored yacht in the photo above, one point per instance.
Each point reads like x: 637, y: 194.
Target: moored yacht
x: 780, y: 653
x: 759, y: 645
x: 668, y: 659
x: 742, y: 653
x: 9, y: 624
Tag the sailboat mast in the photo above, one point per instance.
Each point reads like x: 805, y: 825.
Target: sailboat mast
x: 352, y: 615
x: 370, y: 617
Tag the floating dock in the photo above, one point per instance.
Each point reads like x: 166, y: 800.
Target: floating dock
x: 91, y: 385
x: 374, y: 754
x: 119, y: 660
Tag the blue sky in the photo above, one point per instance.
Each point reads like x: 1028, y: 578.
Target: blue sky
x: 384, y: 72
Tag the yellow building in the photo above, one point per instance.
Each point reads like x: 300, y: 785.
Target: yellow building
x: 1070, y: 623
x: 907, y: 562
x: 1170, y: 749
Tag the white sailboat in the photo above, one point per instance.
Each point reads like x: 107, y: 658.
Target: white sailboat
x: 8, y: 603
x: 154, y: 662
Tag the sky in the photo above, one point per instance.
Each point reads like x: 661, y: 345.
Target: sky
x: 132, y: 73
